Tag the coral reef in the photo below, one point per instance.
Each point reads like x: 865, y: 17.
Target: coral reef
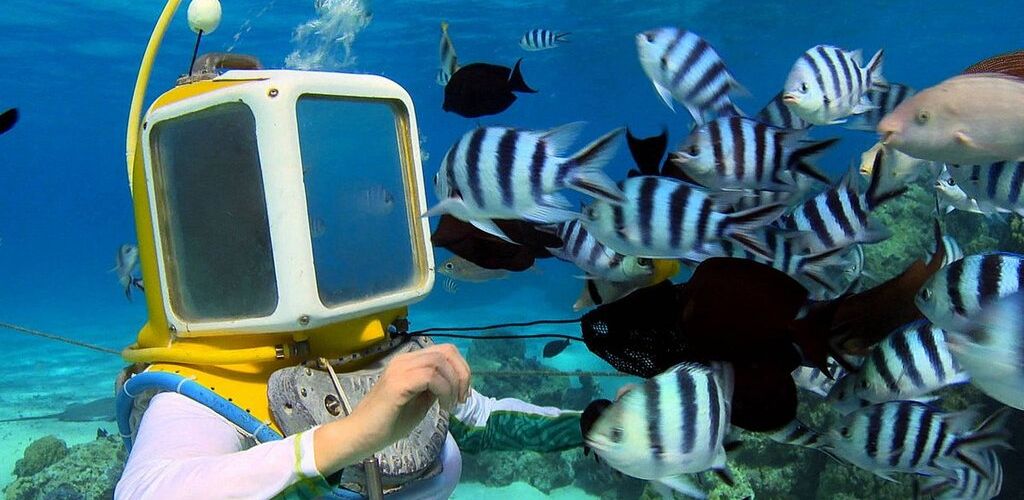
x: 41, y: 454
x: 86, y: 471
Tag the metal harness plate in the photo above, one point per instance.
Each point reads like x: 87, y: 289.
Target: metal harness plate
x: 302, y: 397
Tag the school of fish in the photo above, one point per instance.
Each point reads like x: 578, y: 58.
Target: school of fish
x: 746, y: 187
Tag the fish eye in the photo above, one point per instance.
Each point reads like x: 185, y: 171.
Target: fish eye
x: 803, y: 87
x: 616, y: 434
x: 926, y: 294
x: 863, y: 384
x: 449, y: 265
x: 922, y: 117
x: 694, y: 150
x: 845, y: 432
x: 643, y: 262
x: 649, y: 36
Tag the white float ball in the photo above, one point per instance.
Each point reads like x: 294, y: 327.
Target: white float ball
x: 204, y: 15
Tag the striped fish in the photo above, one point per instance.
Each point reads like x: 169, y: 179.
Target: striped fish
x: 597, y: 260
x: 955, y: 294
x: 950, y: 196
x: 996, y: 187
x: 909, y: 363
x: 840, y: 216
x: 841, y: 273
x: 597, y: 291
x: 734, y: 152
x: 684, y: 67
x: 756, y: 197
x: 541, y: 39
x: 777, y: 114
x: 902, y: 167
x: 449, y: 61
x: 666, y: 218
x: 786, y: 252
x: 883, y: 101
x: 992, y: 348
x: 672, y: 425
x: 506, y: 173
x: 968, y: 484
x: 815, y: 381
x: 952, y: 249
x: 828, y: 84
x: 796, y: 433
x: 908, y: 436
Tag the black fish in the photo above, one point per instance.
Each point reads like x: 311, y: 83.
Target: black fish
x: 863, y: 319
x: 491, y: 252
x: 709, y: 318
x: 647, y: 152
x: 481, y: 89
x: 555, y: 347
x: 589, y: 416
x: 8, y: 119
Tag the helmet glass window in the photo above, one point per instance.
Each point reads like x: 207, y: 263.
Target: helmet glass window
x: 213, y: 215
x: 354, y: 155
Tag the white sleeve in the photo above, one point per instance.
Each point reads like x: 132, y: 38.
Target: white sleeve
x: 185, y: 450
x: 478, y: 408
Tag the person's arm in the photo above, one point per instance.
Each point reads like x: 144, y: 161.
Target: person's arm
x: 484, y: 423
x: 185, y: 450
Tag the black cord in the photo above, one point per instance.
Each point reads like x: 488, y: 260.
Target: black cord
x: 195, y: 52
x: 495, y: 327
x: 494, y: 337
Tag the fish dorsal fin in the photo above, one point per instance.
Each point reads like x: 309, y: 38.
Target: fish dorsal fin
x: 857, y: 56
x: 516, y: 82
x: 560, y: 138
x: 849, y: 180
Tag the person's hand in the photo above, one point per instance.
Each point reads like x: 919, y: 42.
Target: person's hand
x: 409, y: 386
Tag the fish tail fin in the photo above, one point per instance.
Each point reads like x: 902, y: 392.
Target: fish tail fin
x: 585, y: 174
x: 991, y: 433
x: 800, y: 159
x: 879, y: 191
x: 874, y: 71
x: 516, y: 82
x: 647, y: 152
x: 742, y: 226
x: 563, y: 37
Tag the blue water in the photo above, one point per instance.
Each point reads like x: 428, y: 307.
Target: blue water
x: 70, y: 68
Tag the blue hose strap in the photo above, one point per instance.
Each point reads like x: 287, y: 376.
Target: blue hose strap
x: 173, y: 382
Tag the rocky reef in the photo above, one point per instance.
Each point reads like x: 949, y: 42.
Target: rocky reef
x: 51, y: 470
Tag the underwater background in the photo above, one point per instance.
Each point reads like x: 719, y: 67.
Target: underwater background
x: 69, y: 67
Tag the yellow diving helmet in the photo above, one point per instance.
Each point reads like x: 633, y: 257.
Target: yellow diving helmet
x: 279, y: 219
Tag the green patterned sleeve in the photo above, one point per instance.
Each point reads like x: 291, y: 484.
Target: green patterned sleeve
x: 510, y: 424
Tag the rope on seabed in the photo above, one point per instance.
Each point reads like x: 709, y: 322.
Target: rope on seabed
x: 415, y: 333
x: 59, y: 338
